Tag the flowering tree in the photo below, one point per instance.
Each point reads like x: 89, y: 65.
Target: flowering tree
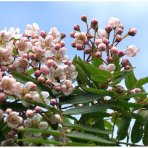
x: 47, y: 99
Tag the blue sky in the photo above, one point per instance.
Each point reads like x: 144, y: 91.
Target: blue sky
x: 64, y: 15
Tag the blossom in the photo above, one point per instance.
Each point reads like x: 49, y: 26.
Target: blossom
x: 32, y: 29
x: 132, y: 50
x: 114, y: 22
x: 56, y: 35
x: 102, y: 34
x: 109, y: 67
x: 13, y: 120
x: 67, y: 87
x: 80, y: 38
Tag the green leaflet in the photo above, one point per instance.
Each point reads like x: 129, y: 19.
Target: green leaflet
x: 99, y: 91
x: 41, y: 141
x: 142, y: 81
x: 86, y: 109
x: 81, y: 98
x: 130, y: 80
x: 123, y: 128
x: 137, y: 132
x: 87, y: 128
x: 79, y: 144
x: 89, y: 137
x: 34, y: 130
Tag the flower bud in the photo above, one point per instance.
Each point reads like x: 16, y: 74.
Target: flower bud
x: 48, y: 82
x: 32, y: 56
x: 120, y: 53
x: 57, y: 46
x: 125, y: 62
x: 114, y: 50
x: 43, y: 34
x: 108, y: 28
x: 72, y: 34
x: 73, y: 44
x: 3, y: 68
x: 53, y: 102
x: 102, y: 47
x: 35, y: 36
x: 57, y: 88
x: 98, y: 41
x: 37, y: 73
x: 58, y: 117
x: 8, y: 110
x: 3, y: 97
x: 29, y: 113
x: 37, y: 109
x: 41, y: 79
x: 11, y: 134
x: 11, y: 67
x: 63, y: 35
x: 94, y: 24
x: 44, y: 70
x: 132, y: 31
x: 84, y: 18
x: 62, y: 43
x: 118, y: 38
x: 79, y: 46
x: 106, y: 41
x: 121, y: 26
x: 76, y: 27
x: 127, y: 67
x: 98, y: 54
x: 109, y: 59
x: 119, y: 31
x: 137, y: 90
x: 87, y: 50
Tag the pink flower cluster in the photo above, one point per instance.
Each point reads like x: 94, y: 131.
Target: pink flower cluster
x: 41, y: 51
x: 96, y: 43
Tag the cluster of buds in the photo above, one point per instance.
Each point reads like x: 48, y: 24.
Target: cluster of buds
x: 94, y: 45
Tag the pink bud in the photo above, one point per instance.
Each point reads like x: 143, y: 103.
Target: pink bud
x: 98, y: 54
x: 8, y: 110
x: 58, y: 117
x: 11, y: 67
x: 3, y: 68
x: 57, y: 46
x: 57, y: 88
x: 120, y: 53
x: 50, y: 63
x: 106, y: 41
x: 79, y: 46
x: 125, y: 62
x: 28, y: 96
x: 11, y: 134
x: 94, y: 23
x: 72, y: 34
x: 32, y: 56
x: 43, y: 34
x: 37, y: 73
x: 137, y: 90
x: 84, y: 18
x: 62, y: 43
x: 41, y: 79
x: 114, y: 50
x: 73, y: 44
x: 44, y: 70
x: 109, y: 59
x: 87, y: 50
x: 102, y: 47
x: 3, y: 97
x: 132, y: 31
x: 121, y: 26
x: 29, y: 113
x: 76, y: 27
x: 53, y: 102
x: 108, y: 28
x: 119, y: 31
x: 37, y: 109
x: 98, y: 41
x: 48, y: 82
x: 35, y: 36
x: 118, y: 38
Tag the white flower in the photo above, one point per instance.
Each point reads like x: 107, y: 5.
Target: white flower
x: 109, y: 67
x: 132, y: 50
x: 56, y: 35
x: 32, y: 29
x: 13, y: 120
x: 45, y: 94
x: 1, y: 114
x: 43, y: 125
x: 15, y: 32
x: 102, y: 34
x: 80, y: 38
x: 67, y: 87
x: 114, y: 22
x: 58, y: 117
